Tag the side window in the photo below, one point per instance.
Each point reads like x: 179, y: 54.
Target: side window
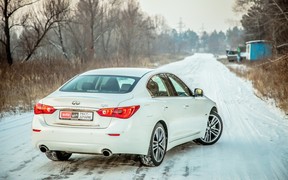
x: 126, y: 84
x: 180, y: 88
x: 157, y: 87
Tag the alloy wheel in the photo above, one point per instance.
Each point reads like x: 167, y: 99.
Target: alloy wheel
x: 213, y: 130
x: 159, y: 144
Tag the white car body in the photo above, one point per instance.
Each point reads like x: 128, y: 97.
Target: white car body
x: 184, y: 118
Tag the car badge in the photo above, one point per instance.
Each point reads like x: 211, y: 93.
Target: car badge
x: 75, y: 102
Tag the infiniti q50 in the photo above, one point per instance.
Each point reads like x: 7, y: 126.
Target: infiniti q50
x: 124, y: 111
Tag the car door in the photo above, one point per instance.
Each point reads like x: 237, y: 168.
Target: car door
x: 193, y: 117
x: 172, y: 109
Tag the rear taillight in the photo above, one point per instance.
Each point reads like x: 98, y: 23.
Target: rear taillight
x: 119, y: 112
x: 43, y: 109
x: 36, y: 130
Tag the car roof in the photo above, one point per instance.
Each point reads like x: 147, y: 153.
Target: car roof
x: 135, y: 72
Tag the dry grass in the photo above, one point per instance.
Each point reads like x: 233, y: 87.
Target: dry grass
x: 270, y: 79
x: 23, y: 83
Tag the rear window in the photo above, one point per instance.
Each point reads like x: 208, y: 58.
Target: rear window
x: 101, y: 84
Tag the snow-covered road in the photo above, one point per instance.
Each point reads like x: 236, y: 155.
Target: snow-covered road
x: 254, y: 144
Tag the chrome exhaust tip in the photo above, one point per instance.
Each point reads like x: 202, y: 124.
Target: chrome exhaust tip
x: 106, y: 152
x: 43, y: 148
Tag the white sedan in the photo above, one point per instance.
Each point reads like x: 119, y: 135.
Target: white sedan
x: 123, y: 111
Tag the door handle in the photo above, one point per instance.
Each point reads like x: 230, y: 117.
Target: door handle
x: 186, y: 106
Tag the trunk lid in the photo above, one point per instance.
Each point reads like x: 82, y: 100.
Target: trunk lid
x: 79, y: 109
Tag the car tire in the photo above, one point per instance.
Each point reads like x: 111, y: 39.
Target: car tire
x: 58, y: 155
x: 213, y: 130
x: 157, y: 148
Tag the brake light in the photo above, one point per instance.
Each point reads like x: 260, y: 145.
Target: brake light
x: 36, y: 130
x: 43, y: 109
x: 119, y: 112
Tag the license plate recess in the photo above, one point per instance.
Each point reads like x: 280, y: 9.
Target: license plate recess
x: 76, y: 115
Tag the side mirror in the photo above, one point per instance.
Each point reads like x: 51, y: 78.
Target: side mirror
x: 198, y: 92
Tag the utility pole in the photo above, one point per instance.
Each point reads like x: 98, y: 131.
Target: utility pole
x: 202, y: 29
x: 181, y: 25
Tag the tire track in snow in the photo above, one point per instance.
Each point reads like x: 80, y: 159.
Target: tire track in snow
x: 4, y: 121
x: 24, y: 163
x: 15, y: 126
x: 140, y: 173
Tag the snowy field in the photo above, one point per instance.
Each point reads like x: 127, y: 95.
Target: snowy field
x: 254, y: 143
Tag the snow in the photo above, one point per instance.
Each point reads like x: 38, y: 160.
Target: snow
x: 253, y: 145
x: 240, y: 67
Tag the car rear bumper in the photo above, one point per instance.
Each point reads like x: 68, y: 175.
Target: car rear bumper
x: 117, y: 139
x: 232, y: 58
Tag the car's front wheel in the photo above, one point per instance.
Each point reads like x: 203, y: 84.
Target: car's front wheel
x: 213, y: 130
x: 157, y: 149
x: 58, y: 155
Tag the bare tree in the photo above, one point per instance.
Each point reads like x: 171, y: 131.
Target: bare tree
x: 49, y: 14
x: 127, y: 27
x: 62, y: 19
x: 278, y: 11
x: 134, y: 30
x: 8, y: 8
x: 88, y: 15
x: 243, y: 5
x: 108, y: 23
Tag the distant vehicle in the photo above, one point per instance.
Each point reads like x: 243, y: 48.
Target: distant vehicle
x: 243, y: 55
x: 231, y: 55
x: 123, y: 111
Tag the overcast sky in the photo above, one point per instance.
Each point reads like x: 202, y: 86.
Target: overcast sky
x: 198, y: 15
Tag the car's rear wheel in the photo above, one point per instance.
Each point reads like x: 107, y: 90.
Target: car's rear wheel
x: 213, y: 130
x: 58, y: 155
x: 157, y: 149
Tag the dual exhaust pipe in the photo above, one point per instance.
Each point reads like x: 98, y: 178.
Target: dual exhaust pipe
x: 105, y: 152
x: 43, y: 148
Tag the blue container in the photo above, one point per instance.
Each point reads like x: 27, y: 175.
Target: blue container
x: 257, y: 50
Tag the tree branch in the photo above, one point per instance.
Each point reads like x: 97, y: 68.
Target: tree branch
x: 3, y: 42
x: 282, y: 45
x: 51, y: 17
x: 1, y: 7
x: 281, y: 10
x: 19, y: 7
x: 18, y: 25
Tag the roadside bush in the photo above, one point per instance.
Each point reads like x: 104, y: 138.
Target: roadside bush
x: 23, y: 83
x: 270, y: 79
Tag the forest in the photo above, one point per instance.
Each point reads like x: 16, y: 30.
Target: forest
x: 265, y: 20
x: 96, y: 30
